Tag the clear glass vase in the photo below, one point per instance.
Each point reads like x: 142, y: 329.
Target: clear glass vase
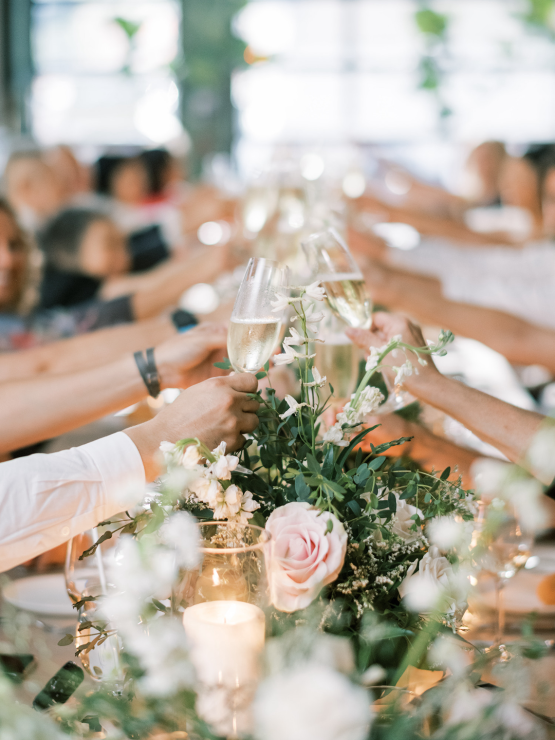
x: 222, y: 604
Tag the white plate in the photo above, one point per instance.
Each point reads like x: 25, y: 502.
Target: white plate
x: 45, y: 595
x: 520, y: 595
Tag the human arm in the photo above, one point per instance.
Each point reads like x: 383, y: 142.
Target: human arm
x: 431, y: 225
x: 162, y: 286
x: 519, y: 341
x: 426, y: 449
x: 85, y: 351
x: 35, y: 409
x: 506, y: 427
x: 47, y: 499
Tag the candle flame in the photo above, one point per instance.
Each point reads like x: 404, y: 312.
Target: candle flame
x: 215, y: 577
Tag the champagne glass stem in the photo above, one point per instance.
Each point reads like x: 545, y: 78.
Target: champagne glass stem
x: 500, y: 607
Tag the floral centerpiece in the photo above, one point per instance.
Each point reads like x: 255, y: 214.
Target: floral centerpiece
x: 367, y: 575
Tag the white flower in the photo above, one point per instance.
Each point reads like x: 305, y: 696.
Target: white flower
x: 315, y: 292
x: 311, y: 702
x: 281, y: 303
x: 402, y: 522
x: 223, y: 467
x: 369, y: 400
x: 181, y: 532
x: 403, y: 372
x: 295, y: 338
x: 293, y: 407
x: 334, y: 435
x: 163, y: 653
x: 447, y: 533
x: 289, y: 355
x: 206, y: 490
x: 318, y: 381
x: 227, y: 503
x: 311, y: 318
x: 373, y: 359
x: 191, y: 457
x: 434, y: 585
x: 248, y: 506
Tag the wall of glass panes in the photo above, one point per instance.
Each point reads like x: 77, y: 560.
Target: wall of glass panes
x: 104, y: 72
x: 348, y: 71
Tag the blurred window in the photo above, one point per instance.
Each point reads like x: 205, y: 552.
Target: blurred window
x: 103, y: 71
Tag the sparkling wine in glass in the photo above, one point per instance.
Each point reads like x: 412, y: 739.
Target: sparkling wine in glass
x: 332, y: 262
x: 255, y: 328
x: 337, y: 357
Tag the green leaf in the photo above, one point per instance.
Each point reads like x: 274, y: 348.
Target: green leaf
x: 301, y: 489
x: 261, y: 375
x: 312, y: 463
x: 427, y: 498
x: 66, y: 640
x: 355, y: 508
x: 354, y: 443
x: 84, y: 626
x: 387, y: 445
x: 376, y: 463
x: 432, y: 23
x: 327, y: 467
x: 446, y: 473
x: 362, y: 475
x: 392, y: 502
x: 329, y: 525
x: 103, y: 537
x: 93, y: 723
x: 224, y: 365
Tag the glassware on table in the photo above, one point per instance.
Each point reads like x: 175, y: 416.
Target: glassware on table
x: 332, y: 263
x: 255, y: 328
x: 505, y: 551
x: 222, y: 603
x: 88, y: 577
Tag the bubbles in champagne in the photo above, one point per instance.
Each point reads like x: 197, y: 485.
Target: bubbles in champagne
x: 250, y: 343
x: 348, y: 299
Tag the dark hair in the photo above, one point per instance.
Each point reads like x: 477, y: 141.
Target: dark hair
x: 542, y: 159
x: 156, y: 163
x: 108, y: 165
x: 61, y: 238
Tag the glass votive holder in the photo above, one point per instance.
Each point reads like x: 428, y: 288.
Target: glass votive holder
x: 222, y: 602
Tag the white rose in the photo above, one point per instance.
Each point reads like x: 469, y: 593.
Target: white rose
x: 311, y: 702
x: 401, y: 523
x: 303, y: 556
x: 435, y: 581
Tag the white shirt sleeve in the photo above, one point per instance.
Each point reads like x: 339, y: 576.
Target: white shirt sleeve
x: 45, y: 500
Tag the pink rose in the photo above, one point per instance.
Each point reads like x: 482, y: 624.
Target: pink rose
x: 304, y: 557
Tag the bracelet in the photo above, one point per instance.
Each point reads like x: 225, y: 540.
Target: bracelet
x: 183, y: 320
x: 149, y: 371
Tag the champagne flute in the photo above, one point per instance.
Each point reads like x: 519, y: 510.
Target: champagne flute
x: 255, y: 328
x: 337, y: 357
x: 331, y: 261
x: 507, y: 548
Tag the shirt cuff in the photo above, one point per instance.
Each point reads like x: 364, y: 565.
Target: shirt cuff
x: 121, y: 467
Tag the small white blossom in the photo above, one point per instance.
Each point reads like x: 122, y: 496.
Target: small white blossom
x: 295, y: 339
x: 224, y: 466
x: 315, y: 292
x: 369, y: 400
x: 293, y: 407
x: 280, y: 304
x: 334, y: 435
x: 373, y: 359
x: 289, y: 706
x: 180, y: 531
x: 318, y: 381
x: 206, y: 490
x: 191, y: 457
x: 290, y: 356
x: 403, y: 372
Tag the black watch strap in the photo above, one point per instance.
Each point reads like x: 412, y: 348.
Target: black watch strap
x: 149, y: 371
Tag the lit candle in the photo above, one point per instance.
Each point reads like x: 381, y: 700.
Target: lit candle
x: 227, y: 640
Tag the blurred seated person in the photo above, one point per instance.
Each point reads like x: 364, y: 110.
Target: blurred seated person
x: 47, y: 499
x: 74, y: 177
x: 87, y: 256
x: 33, y: 188
x: 508, y: 428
